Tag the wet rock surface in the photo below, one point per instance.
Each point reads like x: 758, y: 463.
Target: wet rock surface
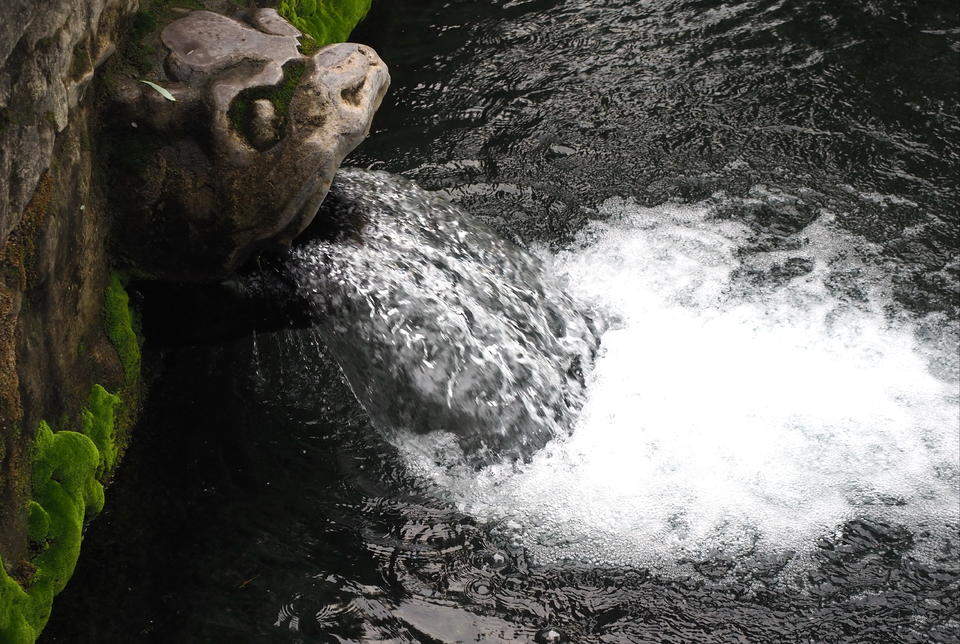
x: 47, y: 59
x: 53, y: 265
x: 245, y: 154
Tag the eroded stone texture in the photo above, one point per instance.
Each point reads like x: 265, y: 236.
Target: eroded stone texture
x: 244, y: 156
x: 47, y: 58
x: 53, y: 229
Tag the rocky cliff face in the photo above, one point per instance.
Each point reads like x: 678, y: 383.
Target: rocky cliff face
x: 102, y: 176
x: 53, y: 230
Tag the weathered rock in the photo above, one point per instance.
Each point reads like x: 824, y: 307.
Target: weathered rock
x: 47, y: 58
x: 270, y: 22
x: 263, y: 125
x: 244, y: 156
x: 53, y: 231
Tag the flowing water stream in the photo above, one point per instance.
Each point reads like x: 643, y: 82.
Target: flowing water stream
x: 741, y: 399
x: 441, y: 326
x: 642, y: 327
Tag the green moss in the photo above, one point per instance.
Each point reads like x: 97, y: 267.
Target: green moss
x: 112, y: 415
x: 324, y: 21
x: 38, y: 522
x: 66, y: 486
x: 65, y: 493
x: 66, y: 490
x: 119, y: 323
x: 98, y: 423
x: 280, y: 95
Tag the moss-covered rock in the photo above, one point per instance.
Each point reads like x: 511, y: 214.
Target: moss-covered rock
x: 279, y: 96
x: 119, y: 323
x: 66, y: 493
x: 276, y: 126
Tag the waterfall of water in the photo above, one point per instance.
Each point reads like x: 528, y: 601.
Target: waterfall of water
x: 441, y: 326
x: 746, y: 397
x: 740, y: 395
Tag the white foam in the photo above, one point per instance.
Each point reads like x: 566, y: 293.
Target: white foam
x: 719, y: 417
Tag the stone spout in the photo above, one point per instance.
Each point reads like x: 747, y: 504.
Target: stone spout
x: 243, y: 157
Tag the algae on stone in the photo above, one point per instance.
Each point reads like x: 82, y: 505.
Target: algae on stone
x: 118, y: 319
x: 66, y: 492
x: 324, y: 22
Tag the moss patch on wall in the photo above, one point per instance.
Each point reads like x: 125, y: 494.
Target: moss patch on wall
x: 119, y: 323
x: 98, y: 423
x: 69, y: 468
x: 323, y: 22
x: 66, y: 492
x: 118, y: 410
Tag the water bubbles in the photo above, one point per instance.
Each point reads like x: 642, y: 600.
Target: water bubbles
x: 549, y: 635
x: 752, y: 389
x: 492, y: 560
x: 747, y: 398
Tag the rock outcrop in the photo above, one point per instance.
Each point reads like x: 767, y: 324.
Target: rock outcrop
x: 58, y: 361
x: 47, y: 60
x: 243, y: 156
x: 97, y: 168
x: 53, y: 230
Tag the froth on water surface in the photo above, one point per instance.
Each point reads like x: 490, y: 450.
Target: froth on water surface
x: 742, y: 399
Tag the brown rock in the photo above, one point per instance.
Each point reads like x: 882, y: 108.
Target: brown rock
x: 257, y: 126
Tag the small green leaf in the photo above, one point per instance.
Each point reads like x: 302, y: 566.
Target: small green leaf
x: 163, y: 92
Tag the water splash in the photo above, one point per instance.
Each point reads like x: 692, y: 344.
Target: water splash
x: 742, y: 398
x: 749, y: 392
x: 440, y: 325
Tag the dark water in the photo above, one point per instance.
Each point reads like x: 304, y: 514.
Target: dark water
x: 260, y: 504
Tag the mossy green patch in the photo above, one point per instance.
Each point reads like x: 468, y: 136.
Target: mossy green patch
x: 98, y: 423
x: 113, y: 414
x: 279, y: 95
x: 66, y: 485
x: 38, y: 522
x: 65, y: 493
x: 119, y: 323
x: 323, y: 22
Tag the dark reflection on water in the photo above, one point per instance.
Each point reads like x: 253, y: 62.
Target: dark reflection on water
x: 281, y: 517
x: 257, y: 505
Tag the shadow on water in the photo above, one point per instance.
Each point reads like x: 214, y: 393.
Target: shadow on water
x: 259, y: 503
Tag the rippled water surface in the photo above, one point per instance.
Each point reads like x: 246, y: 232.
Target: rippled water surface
x: 759, y: 199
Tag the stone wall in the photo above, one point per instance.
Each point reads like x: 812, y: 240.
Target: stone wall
x: 53, y: 230
x: 74, y: 191
x: 64, y: 358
